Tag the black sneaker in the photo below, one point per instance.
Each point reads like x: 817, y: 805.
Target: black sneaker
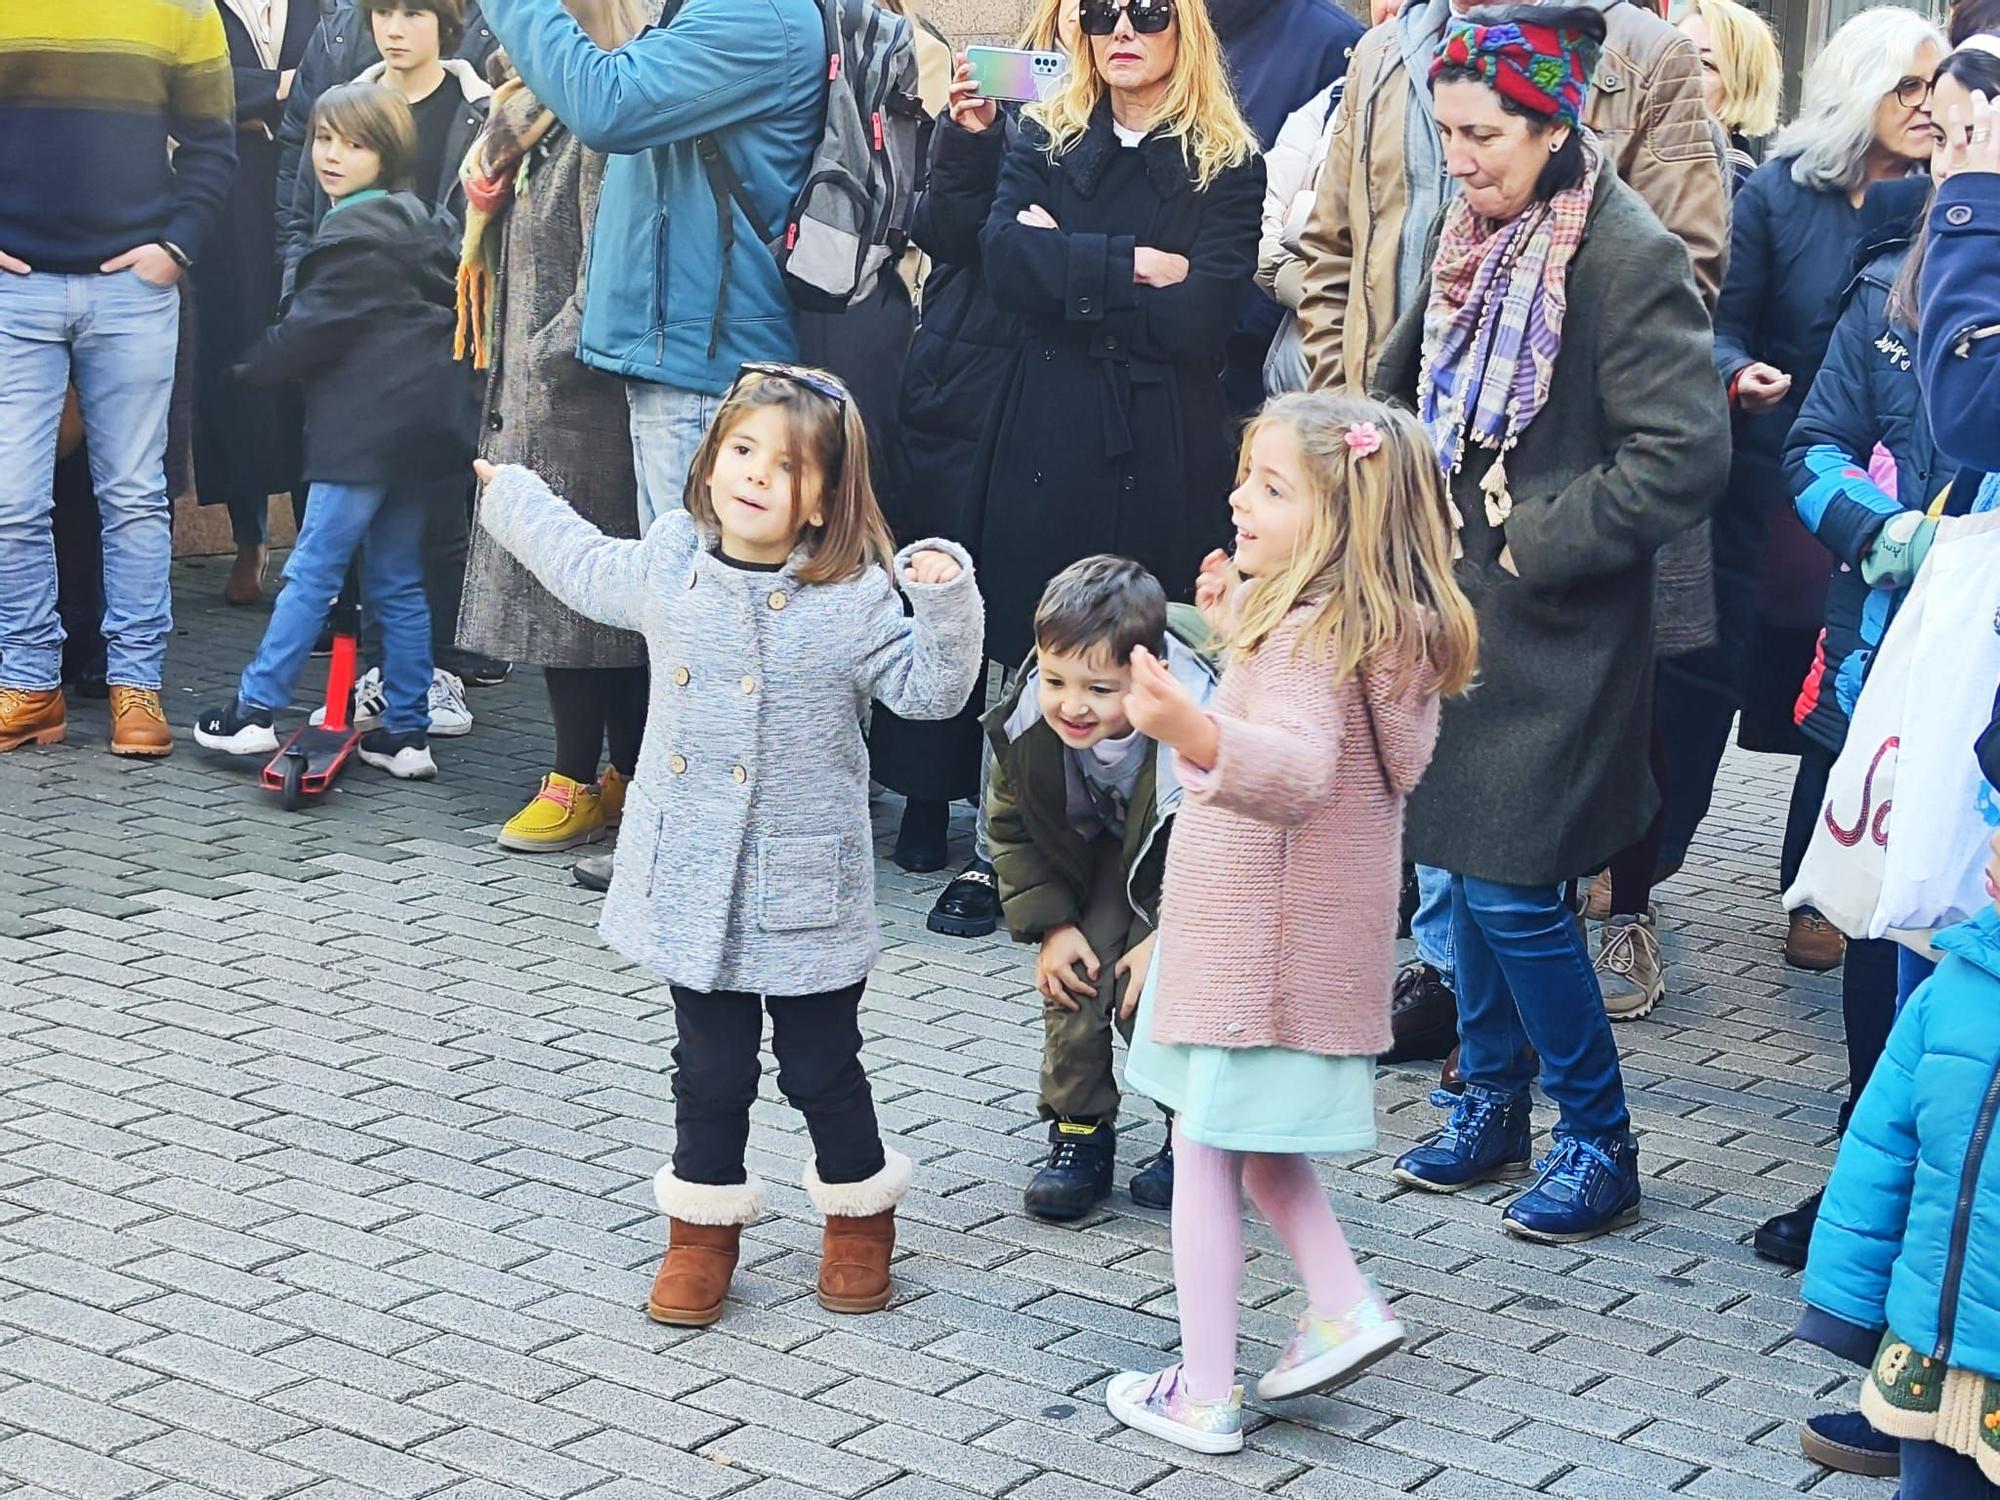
x: 480, y: 671
x: 236, y: 730
x: 1152, y: 1185
x: 323, y: 645
x: 1078, y: 1175
x: 407, y: 757
x: 970, y: 906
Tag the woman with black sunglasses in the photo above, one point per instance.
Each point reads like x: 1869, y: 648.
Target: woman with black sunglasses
x: 1123, y: 235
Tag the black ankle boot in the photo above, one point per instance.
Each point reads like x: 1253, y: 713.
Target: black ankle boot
x: 1078, y: 1175
x: 1152, y: 1186
x: 921, y: 840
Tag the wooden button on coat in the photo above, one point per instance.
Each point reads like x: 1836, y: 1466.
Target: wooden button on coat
x: 678, y: 764
x: 779, y: 601
x: 739, y: 774
x: 680, y: 676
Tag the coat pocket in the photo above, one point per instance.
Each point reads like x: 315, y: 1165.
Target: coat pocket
x: 798, y: 882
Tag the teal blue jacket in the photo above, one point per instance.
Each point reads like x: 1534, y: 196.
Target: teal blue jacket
x: 1909, y: 1233
x: 749, y: 73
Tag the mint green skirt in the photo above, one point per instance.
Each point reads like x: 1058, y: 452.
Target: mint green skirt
x: 1254, y: 1098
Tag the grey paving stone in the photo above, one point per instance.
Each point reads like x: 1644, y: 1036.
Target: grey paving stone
x: 217, y: 1466
x: 69, y: 1470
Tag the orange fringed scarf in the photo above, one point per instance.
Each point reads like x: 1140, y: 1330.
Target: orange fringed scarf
x: 490, y: 174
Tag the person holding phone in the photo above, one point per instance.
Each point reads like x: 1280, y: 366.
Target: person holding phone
x: 960, y: 361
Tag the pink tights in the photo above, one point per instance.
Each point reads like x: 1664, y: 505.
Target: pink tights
x: 1208, y: 1249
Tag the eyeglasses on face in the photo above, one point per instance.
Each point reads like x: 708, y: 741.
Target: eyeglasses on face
x: 1912, y: 91
x: 817, y: 381
x: 1148, y: 17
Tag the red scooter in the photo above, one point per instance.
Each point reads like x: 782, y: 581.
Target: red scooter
x: 307, y: 763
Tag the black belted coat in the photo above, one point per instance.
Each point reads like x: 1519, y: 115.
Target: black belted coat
x: 1113, y: 434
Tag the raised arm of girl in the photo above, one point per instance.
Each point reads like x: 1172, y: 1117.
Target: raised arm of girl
x: 596, y: 575
x: 924, y: 664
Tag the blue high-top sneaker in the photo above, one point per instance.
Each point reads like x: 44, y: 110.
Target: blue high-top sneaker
x: 1586, y: 1188
x: 1486, y: 1137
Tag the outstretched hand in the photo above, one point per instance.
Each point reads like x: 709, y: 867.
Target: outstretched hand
x: 1162, y: 709
x: 483, y: 472
x: 931, y: 566
x: 1213, y: 587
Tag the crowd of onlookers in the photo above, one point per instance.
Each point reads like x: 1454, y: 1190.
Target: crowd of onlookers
x: 1257, y: 340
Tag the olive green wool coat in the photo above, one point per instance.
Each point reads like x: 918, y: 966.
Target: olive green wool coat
x: 1541, y: 771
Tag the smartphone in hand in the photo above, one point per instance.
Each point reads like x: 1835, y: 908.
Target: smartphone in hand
x: 1016, y: 74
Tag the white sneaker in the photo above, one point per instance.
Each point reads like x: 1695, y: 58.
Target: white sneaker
x: 449, y: 715
x: 370, y: 702
x: 404, y: 756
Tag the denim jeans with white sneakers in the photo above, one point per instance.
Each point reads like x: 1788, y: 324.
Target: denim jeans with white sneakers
x: 668, y: 425
x: 387, y: 528
x: 114, y: 337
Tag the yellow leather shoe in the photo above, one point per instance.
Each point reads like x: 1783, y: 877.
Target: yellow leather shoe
x: 30, y: 716
x: 611, y: 795
x: 138, y: 725
x: 562, y: 815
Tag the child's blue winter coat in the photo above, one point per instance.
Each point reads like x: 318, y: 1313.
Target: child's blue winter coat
x: 1909, y: 1232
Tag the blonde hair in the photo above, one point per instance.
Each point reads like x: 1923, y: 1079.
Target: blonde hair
x: 1746, y: 60
x: 1043, y: 32
x: 1198, y: 107
x: 377, y: 117
x: 609, y: 23
x: 829, y: 449
x: 1374, y: 559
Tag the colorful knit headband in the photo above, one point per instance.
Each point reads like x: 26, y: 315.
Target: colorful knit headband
x: 1536, y: 66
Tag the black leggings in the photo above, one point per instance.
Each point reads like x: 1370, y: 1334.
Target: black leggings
x: 817, y: 1039
x: 597, y: 710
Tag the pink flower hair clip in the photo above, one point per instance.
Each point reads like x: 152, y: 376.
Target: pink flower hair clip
x: 1364, y: 438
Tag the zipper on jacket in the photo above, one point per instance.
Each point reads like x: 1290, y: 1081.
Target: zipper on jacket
x: 1961, y: 1219
x: 660, y: 288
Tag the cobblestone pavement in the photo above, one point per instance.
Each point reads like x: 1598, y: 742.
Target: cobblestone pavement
x: 324, y: 1153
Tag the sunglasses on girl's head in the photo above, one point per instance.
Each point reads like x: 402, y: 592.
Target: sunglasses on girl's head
x: 817, y: 381
x: 1149, y: 17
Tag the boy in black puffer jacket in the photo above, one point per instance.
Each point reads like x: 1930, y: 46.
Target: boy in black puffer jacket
x: 389, y: 415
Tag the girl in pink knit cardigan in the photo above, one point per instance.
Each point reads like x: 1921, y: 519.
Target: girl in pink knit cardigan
x: 1267, y: 998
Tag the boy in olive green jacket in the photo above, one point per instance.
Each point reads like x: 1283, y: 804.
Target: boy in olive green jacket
x: 1079, y: 805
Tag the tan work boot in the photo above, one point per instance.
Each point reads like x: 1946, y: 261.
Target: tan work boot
x: 1628, y: 967
x: 860, y: 1235
x: 138, y: 726
x: 693, y: 1280
x: 32, y: 716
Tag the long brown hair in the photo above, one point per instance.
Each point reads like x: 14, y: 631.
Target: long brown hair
x: 829, y: 449
x: 377, y: 117
x: 1374, y: 560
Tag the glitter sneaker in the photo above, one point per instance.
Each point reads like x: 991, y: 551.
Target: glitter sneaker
x: 1326, y: 1352
x: 1161, y: 1405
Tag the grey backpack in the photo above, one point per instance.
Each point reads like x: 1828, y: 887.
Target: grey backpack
x: 849, y: 224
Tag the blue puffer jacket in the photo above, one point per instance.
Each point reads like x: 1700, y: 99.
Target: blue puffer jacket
x: 1909, y: 1232
x: 749, y: 73
x: 1961, y: 318
x: 1867, y: 392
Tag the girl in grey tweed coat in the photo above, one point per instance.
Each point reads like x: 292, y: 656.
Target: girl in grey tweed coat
x: 745, y: 869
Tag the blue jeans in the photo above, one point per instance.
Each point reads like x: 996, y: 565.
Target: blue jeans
x: 1431, y: 926
x: 668, y: 425
x: 1524, y: 976
x: 114, y: 337
x: 387, y: 528
x: 1932, y: 1471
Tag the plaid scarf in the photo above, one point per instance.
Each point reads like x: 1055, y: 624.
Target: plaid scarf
x: 495, y: 166
x: 1493, y: 326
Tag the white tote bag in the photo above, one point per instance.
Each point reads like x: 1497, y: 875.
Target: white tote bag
x: 1946, y: 811
x: 1841, y: 875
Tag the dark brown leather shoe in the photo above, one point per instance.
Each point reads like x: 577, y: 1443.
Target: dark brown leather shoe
x: 1423, y: 1015
x: 1812, y: 942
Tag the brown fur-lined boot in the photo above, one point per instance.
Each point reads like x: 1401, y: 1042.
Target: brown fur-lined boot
x: 707, y: 1224
x: 860, y: 1235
